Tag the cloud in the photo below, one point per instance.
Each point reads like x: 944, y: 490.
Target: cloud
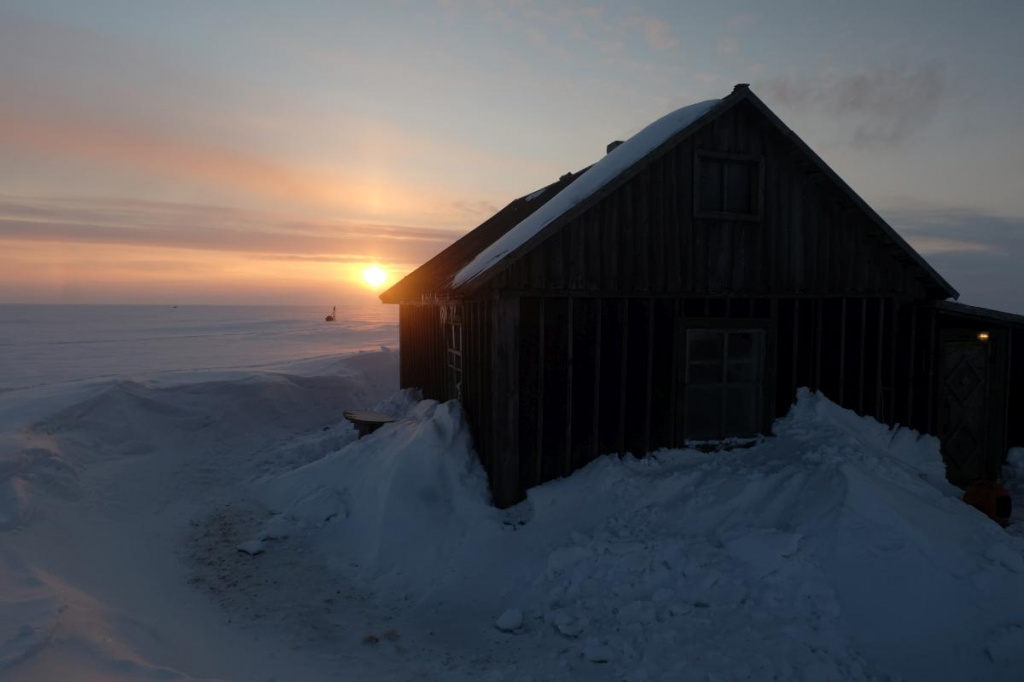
x: 979, y: 254
x: 386, y: 179
x: 928, y: 245
x: 741, y: 20
x: 606, y: 33
x: 187, y: 160
x: 480, y: 210
x: 659, y: 34
x: 728, y: 46
x: 291, y: 258
x: 108, y: 115
x: 889, y: 104
x: 53, y: 65
x: 182, y: 226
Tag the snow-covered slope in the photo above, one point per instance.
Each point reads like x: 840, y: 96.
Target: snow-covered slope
x: 831, y: 550
x: 105, y: 490
x: 834, y: 550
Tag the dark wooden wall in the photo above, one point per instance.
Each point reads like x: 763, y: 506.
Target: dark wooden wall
x: 552, y: 382
x: 604, y: 375
x: 644, y: 238
x: 422, y: 361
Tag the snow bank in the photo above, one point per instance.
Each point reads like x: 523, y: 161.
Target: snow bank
x: 85, y: 640
x: 396, y: 503
x: 100, y: 482
x: 597, y: 176
x: 28, y: 612
x: 832, y: 551
x: 1013, y: 481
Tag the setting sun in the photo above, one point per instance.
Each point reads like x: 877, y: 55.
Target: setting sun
x: 375, y: 276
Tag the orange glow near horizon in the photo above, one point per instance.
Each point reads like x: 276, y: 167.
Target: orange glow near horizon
x: 58, y: 272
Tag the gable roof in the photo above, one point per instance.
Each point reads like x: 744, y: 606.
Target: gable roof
x: 529, y: 220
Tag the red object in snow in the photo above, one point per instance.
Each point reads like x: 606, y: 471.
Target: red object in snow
x: 991, y: 499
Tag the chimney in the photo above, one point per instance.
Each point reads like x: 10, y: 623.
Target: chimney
x: 611, y: 146
x: 741, y: 86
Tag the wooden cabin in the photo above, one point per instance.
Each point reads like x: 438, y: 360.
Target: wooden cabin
x: 681, y: 289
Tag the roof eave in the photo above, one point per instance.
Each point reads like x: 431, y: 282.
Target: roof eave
x: 979, y: 313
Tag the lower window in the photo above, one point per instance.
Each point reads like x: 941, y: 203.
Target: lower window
x: 724, y: 382
x: 451, y: 319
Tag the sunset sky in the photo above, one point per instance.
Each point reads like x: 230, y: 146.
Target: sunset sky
x: 269, y: 152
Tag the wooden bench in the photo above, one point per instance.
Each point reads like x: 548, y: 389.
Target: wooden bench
x: 367, y: 421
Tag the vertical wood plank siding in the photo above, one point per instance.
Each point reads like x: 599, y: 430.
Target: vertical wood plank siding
x: 504, y: 385
x: 545, y: 395
x: 617, y: 390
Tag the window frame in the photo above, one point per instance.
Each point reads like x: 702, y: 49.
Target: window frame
x: 451, y: 326
x: 761, y: 328
x: 725, y: 159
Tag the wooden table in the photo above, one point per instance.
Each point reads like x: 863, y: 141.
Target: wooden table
x: 367, y: 421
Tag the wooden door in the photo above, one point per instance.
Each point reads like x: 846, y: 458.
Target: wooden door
x: 970, y: 409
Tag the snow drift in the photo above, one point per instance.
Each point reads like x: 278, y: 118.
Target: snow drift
x: 833, y: 550
x: 396, y: 504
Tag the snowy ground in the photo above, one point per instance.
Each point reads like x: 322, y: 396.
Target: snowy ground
x: 832, y: 550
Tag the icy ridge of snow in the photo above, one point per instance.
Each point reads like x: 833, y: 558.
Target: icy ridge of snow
x: 597, y: 176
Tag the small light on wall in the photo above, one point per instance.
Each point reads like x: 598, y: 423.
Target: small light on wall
x: 983, y: 336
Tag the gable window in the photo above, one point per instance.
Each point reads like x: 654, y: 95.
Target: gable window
x: 724, y: 379
x: 728, y: 186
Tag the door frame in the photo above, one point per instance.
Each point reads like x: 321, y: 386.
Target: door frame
x: 684, y: 325
x: 995, y: 387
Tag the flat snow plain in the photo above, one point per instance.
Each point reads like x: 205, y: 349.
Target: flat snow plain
x: 833, y: 550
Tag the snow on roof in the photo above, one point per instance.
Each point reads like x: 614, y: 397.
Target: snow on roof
x: 536, y: 194
x: 596, y: 177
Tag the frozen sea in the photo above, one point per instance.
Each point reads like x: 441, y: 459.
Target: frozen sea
x: 42, y: 345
